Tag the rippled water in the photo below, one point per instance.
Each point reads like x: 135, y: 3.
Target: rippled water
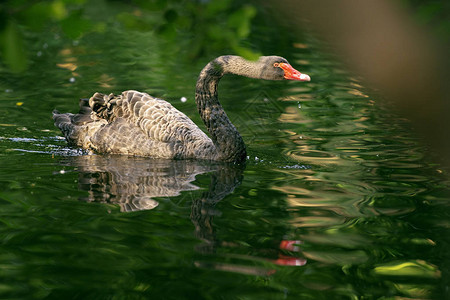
x: 337, y: 199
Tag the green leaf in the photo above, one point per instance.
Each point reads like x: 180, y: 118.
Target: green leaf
x: 75, y: 25
x: 58, y: 10
x: 13, y: 48
x: 217, y: 6
x: 36, y: 17
x: 241, y: 20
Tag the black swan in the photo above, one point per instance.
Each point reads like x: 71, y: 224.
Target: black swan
x: 136, y: 123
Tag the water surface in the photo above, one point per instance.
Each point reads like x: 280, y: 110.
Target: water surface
x: 337, y: 198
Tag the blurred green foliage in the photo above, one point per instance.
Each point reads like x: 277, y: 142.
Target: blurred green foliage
x: 434, y: 13
x: 198, y: 26
x: 19, y: 17
x: 210, y: 25
x: 13, y: 48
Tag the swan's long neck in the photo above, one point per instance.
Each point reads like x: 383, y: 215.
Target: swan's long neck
x: 224, y: 135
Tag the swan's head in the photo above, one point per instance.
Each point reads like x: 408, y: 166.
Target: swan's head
x: 278, y: 68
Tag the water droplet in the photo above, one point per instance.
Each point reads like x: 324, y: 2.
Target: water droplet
x: 183, y: 99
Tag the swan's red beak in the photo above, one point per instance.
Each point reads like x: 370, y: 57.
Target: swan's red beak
x: 292, y: 74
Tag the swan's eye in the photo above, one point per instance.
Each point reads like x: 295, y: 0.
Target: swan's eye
x: 276, y: 65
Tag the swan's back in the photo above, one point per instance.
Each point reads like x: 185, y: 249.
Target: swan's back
x: 134, y: 123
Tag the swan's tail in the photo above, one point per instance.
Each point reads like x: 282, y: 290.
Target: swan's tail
x: 71, y: 124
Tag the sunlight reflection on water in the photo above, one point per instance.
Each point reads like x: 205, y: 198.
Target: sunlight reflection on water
x: 336, y: 198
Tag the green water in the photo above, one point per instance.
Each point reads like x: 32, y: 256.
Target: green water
x: 330, y: 168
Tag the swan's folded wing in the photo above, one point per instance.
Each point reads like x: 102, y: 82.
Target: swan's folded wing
x: 157, y: 118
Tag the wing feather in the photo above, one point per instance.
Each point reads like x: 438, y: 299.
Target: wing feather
x: 157, y: 118
x: 134, y: 123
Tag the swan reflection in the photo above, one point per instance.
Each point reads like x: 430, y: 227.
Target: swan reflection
x: 135, y: 183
